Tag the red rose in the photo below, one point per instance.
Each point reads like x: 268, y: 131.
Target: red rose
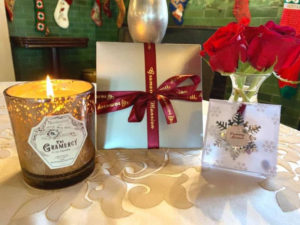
x: 289, y: 49
x: 225, y: 47
x: 270, y: 43
x: 283, y: 30
x: 261, y: 46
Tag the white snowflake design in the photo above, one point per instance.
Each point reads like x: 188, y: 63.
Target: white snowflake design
x: 240, y: 166
x: 275, y: 119
x: 6, y: 143
x: 213, y: 131
x: 215, y: 111
x: 207, y: 149
x: 218, y: 163
x: 270, y: 170
x: 269, y: 146
x: 261, y: 108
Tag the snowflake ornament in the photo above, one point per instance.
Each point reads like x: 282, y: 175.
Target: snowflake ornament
x: 237, y: 136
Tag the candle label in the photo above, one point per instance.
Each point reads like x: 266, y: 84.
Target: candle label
x: 58, y: 140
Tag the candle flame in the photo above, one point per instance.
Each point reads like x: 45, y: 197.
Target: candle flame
x: 50, y: 92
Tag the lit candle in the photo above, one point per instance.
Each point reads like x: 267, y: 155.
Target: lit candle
x: 54, y: 128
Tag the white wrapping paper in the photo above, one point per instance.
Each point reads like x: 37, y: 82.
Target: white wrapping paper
x: 121, y: 67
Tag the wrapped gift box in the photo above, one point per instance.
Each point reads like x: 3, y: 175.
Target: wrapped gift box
x: 121, y: 67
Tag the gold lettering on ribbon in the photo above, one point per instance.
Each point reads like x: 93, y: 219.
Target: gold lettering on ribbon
x: 115, y: 104
x: 152, y: 120
x: 150, y: 73
x: 171, y: 118
x: 178, y: 77
x: 193, y: 97
x: 110, y: 97
x: 180, y: 92
x: 124, y: 103
x: 102, y: 96
x: 106, y: 97
x: 151, y: 84
x: 169, y: 111
x: 167, y: 87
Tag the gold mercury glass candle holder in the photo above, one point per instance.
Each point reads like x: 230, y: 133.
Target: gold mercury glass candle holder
x: 54, y: 130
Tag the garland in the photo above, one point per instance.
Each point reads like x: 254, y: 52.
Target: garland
x: 40, y: 18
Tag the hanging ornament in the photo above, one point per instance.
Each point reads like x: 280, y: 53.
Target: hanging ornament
x: 121, y: 14
x: 177, y: 8
x: 106, y: 8
x: 291, y: 14
x: 236, y: 135
x: 96, y: 13
x: 40, y: 18
x: 9, y: 6
x: 241, y: 11
x: 147, y: 20
x: 61, y: 13
x: 290, y: 17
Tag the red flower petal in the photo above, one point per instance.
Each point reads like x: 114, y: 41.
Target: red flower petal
x: 267, y: 46
x: 225, y: 47
x: 283, y: 30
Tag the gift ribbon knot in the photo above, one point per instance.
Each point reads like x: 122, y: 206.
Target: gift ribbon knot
x: 111, y: 101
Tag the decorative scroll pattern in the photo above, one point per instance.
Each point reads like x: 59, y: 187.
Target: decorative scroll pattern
x: 7, y: 142
x: 286, y: 184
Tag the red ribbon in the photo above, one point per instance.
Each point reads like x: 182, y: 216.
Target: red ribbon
x: 241, y: 109
x: 111, y: 101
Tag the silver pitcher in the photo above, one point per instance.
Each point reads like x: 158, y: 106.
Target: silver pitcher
x: 147, y: 20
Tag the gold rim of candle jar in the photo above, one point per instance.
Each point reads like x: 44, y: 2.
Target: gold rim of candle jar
x: 46, y: 99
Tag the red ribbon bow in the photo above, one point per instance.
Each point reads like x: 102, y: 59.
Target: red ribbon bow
x: 111, y: 101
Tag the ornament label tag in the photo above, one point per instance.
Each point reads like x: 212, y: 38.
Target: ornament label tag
x: 237, y: 136
x: 58, y: 140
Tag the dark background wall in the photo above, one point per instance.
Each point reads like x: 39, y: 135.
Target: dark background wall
x: 219, y: 12
x: 31, y: 64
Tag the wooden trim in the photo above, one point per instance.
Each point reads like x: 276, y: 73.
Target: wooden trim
x: 193, y: 27
x: 186, y: 27
x: 49, y: 42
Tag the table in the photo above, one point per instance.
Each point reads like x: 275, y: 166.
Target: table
x: 153, y: 187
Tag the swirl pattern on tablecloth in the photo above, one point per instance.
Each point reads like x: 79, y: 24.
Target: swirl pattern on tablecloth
x: 148, y: 178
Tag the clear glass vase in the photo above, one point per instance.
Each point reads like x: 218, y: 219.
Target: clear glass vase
x: 245, y: 87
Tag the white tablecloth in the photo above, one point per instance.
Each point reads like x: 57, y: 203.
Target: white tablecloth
x: 153, y: 187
